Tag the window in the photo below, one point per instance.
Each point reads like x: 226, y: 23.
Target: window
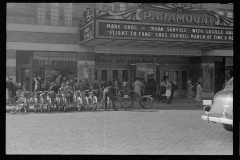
x: 67, y: 17
x: 141, y: 72
x: 54, y: 14
x: 41, y: 13
x: 122, y: 7
x: 230, y: 14
x: 55, y: 58
x: 69, y: 58
x: 40, y: 58
x: 110, y: 6
x: 221, y: 12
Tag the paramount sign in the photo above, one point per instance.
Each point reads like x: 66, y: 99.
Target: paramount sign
x: 179, y: 18
x: 169, y: 13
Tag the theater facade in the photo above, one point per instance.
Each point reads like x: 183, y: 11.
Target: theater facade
x: 173, y: 41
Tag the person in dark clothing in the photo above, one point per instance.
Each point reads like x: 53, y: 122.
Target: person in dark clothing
x: 10, y: 87
x: 64, y: 80
x: 96, y: 87
x: 87, y: 85
x: 40, y: 83
x: 172, y: 91
x: 151, y: 86
x: 15, y: 86
x: 109, y: 92
x: 110, y: 82
x: 53, y: 87
x: 71, y: 83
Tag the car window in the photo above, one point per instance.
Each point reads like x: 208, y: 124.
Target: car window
x: 229, y: 84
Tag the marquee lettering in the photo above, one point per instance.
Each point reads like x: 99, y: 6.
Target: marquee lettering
x: 158, y: 16
x: 142, y: 31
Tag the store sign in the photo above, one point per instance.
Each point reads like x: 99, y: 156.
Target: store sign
x: 87, y: 33
x: 123, y: 30
x: 128, y: 60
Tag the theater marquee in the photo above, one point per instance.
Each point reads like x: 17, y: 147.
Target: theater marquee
x: 170, y: 22
x: 130, y: 30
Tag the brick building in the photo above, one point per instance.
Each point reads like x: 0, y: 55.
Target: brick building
x: 43, y: 39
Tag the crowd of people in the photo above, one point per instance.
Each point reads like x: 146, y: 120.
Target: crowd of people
x: 139, y: 86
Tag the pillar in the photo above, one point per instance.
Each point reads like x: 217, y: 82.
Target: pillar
x: 11, y: 64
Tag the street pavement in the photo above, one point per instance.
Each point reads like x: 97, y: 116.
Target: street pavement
x: 174, y: 129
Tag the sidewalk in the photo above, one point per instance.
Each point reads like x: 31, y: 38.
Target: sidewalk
x: 178, y: 103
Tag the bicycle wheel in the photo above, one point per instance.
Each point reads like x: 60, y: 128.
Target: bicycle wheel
x: 146, y: 102
x: 10, y: 102
x: 126, y: 103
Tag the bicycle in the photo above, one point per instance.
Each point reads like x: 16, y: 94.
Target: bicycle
x: 36, y: 100
x: 51, y: 101
x: 59, y: 101
x: 145, y: 101
x: 14, y: 104
x: 65, y: 100
x: 44, y: 102
x: 92, y: 98
x: 19, y: 103
x: 69, y: 98
x: 78, y: 100
x: 84, y: 102
x: 117, y: 97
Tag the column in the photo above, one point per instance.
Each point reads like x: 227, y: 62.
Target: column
x: 11, y: 64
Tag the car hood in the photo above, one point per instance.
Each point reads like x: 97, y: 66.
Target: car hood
x: 224, y: 97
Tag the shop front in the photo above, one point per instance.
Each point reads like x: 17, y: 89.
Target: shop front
x: 158, y: 41
x: 47, y: 65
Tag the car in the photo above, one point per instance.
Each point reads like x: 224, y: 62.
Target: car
x: 220, y: 110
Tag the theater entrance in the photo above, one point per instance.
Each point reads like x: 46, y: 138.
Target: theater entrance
x: 144, y: 71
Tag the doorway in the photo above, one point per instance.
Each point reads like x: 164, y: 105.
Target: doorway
x: 104, y: 76
x: 23, y: 76
x: 115, y: 73
x: 145, y: 72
